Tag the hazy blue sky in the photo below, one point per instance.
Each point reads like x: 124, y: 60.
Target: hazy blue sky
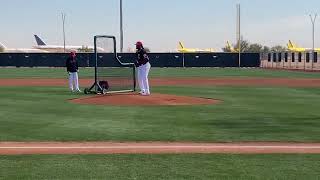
x: 160, y: 24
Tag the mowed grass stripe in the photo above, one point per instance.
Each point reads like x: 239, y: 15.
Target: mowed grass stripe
x: 160, y: 167
x: 246, y: 114
x: 159, y: 72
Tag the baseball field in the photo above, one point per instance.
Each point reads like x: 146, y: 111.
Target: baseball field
x: 266, y: 120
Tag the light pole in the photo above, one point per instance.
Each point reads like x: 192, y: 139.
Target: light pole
x: 239, y: 32
x: 64, y: 33
x: 313, y: 21
x: 121, y: 28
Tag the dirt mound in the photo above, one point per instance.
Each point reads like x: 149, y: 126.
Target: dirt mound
x: 134, y: 99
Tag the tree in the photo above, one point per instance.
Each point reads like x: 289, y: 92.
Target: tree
x: 255, y: 48
x: 147, y: 49
x: 278, y: 48
x: 235, y: 47
x: 85, y: 49
x: 1, y: 49
x: 244, y: 46
x: 265, y: 49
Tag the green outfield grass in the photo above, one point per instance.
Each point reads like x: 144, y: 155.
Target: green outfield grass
x: 238, y: 167
x: 246, y: 114
x: 159, y: 72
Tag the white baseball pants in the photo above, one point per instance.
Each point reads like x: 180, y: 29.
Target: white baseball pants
x: 143, y: 73
x: 73, y: 81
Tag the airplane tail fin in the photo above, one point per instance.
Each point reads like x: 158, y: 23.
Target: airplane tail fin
x: 228, y: 45
x: 291, y: 45
x: 181, y: 45
x: 2, y: 47
x: 39, y: 40
x: 288, y: 46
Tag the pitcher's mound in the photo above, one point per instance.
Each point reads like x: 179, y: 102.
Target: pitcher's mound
x: 134, y: 99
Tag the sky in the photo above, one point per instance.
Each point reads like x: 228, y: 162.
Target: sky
x: 160, y: 24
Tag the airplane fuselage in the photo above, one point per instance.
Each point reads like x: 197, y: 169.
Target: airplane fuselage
x: 55, y: 48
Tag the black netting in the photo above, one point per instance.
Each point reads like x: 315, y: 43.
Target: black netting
x: 111, y: 73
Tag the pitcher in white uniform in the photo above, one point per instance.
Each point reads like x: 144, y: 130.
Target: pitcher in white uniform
x: 143, y: 65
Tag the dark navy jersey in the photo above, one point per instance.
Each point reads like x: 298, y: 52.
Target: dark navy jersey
x: 72, y: 64
x: 142, y: 57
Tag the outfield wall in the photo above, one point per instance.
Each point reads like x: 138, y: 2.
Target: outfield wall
x: 307, y: 61
x: 157, y: 59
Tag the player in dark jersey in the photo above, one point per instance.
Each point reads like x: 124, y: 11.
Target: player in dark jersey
x: 143, y: 66
x: 72, y: 69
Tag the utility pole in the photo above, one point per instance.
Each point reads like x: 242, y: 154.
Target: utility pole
x: 239, y: 32
x: 64, y: 33
x: 121, y: 28
x: 313, y: 21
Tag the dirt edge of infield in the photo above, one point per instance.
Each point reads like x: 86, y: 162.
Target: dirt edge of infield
x: 26, y: 148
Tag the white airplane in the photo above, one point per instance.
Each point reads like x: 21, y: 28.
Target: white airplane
x: 4, y: 49
x: 58, y: 48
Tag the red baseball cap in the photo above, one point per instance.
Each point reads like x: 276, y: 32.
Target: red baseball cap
x: 138, y: 43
